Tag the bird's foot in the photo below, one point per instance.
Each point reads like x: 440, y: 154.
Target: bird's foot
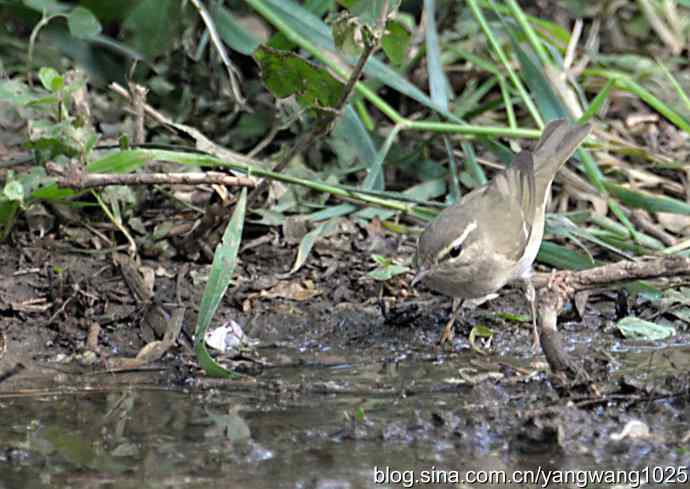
x: 559, y: 281
x: 448, y: 332
x: 536, y: 340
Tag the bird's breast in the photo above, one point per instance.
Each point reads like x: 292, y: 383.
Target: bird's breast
x: 478, y: 279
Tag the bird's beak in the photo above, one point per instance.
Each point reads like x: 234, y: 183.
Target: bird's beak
x: 421, y: 273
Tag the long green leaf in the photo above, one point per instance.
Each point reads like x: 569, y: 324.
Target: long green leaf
x: 647, y: 201
x: 308, y: 241
x: 598, y: 101
x: 224, y: 261
x: 563, y: 258
x: 356, y: 133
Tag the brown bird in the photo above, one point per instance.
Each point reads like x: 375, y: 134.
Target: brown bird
x: 491, y: 237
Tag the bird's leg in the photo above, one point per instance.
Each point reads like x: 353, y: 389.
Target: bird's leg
x: 449, y: 331
x: 531, y: 296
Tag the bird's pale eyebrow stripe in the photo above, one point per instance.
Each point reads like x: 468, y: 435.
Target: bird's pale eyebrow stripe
x: 460, y: 239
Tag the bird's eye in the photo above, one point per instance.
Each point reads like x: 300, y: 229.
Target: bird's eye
x: 455, y: 251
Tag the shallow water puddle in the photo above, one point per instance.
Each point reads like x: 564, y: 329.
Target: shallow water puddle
x: 331, y: 424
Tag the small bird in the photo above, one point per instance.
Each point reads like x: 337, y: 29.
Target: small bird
x: 492, y: 235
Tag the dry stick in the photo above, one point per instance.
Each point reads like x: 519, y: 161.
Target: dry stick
x: 643, y: 221
x: 90, y: 180
x: 322, y: 127
x: 233, y: 72
x: 201, y: 141
x: 138, y: 102
x: 563, y: 285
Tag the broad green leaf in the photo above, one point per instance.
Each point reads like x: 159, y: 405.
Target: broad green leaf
x: 387, y: 268
x: 441, y: 93
x: 424, y: 191
x: 682, y: 313
x: 47, y: 100
x: 331, y: 212
x: 374, y: 178
x: 395, y: 42
x: 382, y: 260
x: 639, y: 329
x: 15, y: 92
x: 34, y: 179
x: 8, y: 214
x: 454, y: 194
x: 13, y: 191
x: 152, y: 25
x: 286, y: 74
x: 318, y: 7
x: 232, y: 32
x: 224, y: 261
x: 83, y: 24
x: 368, y: 11
x: 387, y: 273
x: 48, y: 6
x: 644, y: 290
x: 51, y: 79
x: 317, y: 32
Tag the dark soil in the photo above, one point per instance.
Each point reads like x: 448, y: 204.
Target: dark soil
x: 332, y: 383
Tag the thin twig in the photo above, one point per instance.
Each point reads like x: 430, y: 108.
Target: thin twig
x: 233, y: 72
x: 202, y: 142
x: 322, y: 127
x: 90, y: 180
x: 138, y: 102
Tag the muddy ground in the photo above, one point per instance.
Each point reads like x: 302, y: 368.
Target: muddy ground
x: 331, y: 387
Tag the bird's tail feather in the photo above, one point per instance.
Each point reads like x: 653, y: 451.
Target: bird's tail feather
x: 558, y: 142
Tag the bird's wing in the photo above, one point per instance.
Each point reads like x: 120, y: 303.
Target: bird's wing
x: 509, y: 204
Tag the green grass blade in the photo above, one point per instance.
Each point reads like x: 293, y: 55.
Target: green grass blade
x: 647, y: 201
x: 597, y: 103
x: 312, y: 34
x: 354, y: 130
x: 563, y: 258
x: 592, y: 170
x: 374, y: 178
x: 308, y: 240
x: 549, y: 103
x: 676, y: 86
x: 493, y: 42
x: 453, y: 167
x: 625, y: 233
x: 231, y: 31
x: 224, y: 261
x: 439, y: 87
x: 438, y: 83
x: 625, y: 82
x: 507, y: 102
x: 654, y: 102
x: 532, y: 37
x: 430, y: 189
